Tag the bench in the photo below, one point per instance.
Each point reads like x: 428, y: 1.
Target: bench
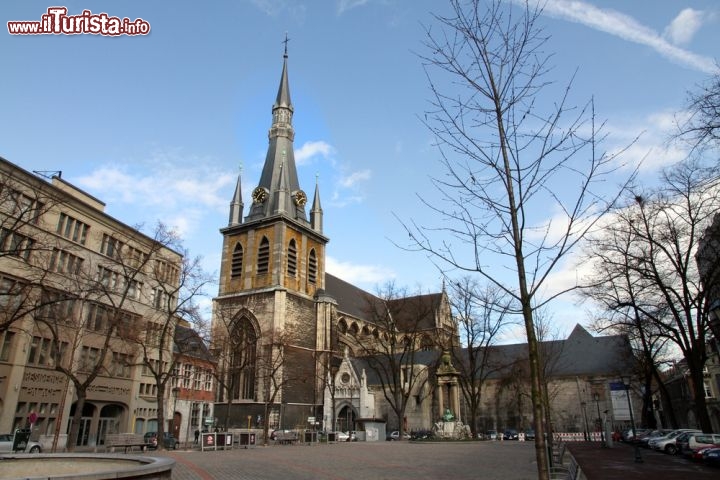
x: 558, y: 452
x: 286, y: 438
x: 127, y: 441
x: 562, y: 472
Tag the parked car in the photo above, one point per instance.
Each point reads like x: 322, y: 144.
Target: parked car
x: 169, y: 442
x: 673, y: 445
x: 663, y: 443
x: 274, y: 433
x: 346, y: 436
x: 510, y: 434
x: 712, y: 457
x: 6, y: 444
x: 395, y: 435
x: 491, y: 435
x: 529, y: 434
x: 422, y: 435
x: 699, y: 454
x: 696, y: 441
x: 644, y: 439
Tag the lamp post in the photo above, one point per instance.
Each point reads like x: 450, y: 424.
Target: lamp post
x: 587, y: 427
x: 176, y: 427
x: 596, y: 397
x: 626, y: 383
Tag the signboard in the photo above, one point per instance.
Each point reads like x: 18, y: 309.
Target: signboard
x: 311, y: 419
x: 619, y: 398
x: 208, y: 441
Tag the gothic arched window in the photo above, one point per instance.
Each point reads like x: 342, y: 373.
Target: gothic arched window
x: 243, y: 340
x: 237, y: 261
x: 292, y: 258
x: 263, y: 259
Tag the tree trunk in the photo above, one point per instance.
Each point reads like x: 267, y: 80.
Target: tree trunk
x: 76, y: 419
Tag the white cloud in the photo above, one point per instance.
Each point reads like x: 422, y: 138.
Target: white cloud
x: 308, y: 150
x: 683, y: 27
x: 625, y: 27
x: 351, y: 180
x: 369, y: 275
x: 180, y: 195
x: 345, y: 5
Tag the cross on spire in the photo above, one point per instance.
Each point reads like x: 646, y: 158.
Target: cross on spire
x: 286, y: 42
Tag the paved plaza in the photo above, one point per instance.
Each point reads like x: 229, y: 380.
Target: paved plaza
x: 410, y: 460
x: 361, y: 461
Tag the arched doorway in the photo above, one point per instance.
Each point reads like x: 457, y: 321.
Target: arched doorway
x: 346, y: 419
x: 110, y: 416
x: 88, y: 413
x: 176, y: 422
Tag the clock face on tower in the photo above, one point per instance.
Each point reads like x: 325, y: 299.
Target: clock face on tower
x: 259, y: 195
x: 300, y: 198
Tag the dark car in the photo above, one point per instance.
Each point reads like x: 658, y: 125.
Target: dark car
x: 510, y: 434
x: 529, y: 434
x: 169, y: 442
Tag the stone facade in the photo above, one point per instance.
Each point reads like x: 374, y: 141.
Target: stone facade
x: 75, y: 243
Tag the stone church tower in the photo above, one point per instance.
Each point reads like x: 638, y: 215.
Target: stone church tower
x: 270, y: 332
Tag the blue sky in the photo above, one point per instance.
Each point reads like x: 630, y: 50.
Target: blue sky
x: 158, y: 126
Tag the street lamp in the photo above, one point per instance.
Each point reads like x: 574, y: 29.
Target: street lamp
x: 596, y: 397
x: 176, y: 427
x: 626, y: 383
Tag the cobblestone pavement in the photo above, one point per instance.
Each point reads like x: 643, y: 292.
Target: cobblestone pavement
x: 361, y: 461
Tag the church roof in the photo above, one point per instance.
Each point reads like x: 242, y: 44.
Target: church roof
x: 580, y: 355
x: 279, y: 179
x: 353, y: 301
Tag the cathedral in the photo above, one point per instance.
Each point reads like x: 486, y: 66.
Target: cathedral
x: 282, y: 325
x: 298, y: 348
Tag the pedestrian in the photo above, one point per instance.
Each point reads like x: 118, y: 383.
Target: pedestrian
x: 197, y: 436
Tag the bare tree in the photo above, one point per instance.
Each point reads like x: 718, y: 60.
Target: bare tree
x: 481, y: 313
x: 702, y: 128
x: 507, y: 150
x: 176, y: 289
x: 273, y: 374
x: 93, y: 312
x: 664, y: 228
x: 393, y: 357
x: 23, y: 247
x: 620, y: 295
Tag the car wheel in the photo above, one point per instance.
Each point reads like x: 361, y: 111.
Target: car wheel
x: 35, y: 449
x: 671, y: 449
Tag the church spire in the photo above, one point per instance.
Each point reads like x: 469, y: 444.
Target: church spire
x: 236, y: 205
x: 278, y: 192
x: 316, y: 213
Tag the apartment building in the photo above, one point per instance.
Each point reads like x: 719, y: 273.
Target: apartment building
x: 81, y: 295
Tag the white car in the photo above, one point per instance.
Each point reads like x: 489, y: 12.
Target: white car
x: 346, y: 436
x: 6, y: 445
x: 667, y: 443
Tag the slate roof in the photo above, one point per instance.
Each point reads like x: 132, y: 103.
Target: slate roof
x: 191, y: 345
x: 580, y: 354
x: 353, y: 301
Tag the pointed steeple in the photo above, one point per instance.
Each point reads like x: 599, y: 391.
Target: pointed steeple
x: 278, y: 192
x: 316, y: 213
x: 236, y: 205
